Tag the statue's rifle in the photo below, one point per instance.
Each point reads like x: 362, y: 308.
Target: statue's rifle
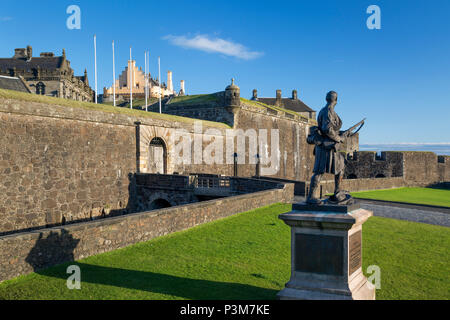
x: 349, y: 132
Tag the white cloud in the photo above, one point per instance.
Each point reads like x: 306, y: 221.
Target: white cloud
x: 214, y: 45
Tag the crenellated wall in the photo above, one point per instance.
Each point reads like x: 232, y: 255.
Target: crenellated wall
x: 417, y: 168
x: 367, y: 164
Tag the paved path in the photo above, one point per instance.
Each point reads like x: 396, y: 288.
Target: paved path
x: 415, y: 213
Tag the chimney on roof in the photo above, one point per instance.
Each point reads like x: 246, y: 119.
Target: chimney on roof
x: 255, y: 94
x: 278, y: 98
x: 294, y: 94
x: 20, y: 53
x: 29, y: 52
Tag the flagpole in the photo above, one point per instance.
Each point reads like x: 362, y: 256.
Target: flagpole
x: 95, y: 65
x: 160, y: 83
x: 131, y: 82
x: 114, y: 76
x: 145, y: 78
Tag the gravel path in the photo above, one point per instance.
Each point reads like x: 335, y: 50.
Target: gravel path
x: 414, y: 213
x: 424, y: 216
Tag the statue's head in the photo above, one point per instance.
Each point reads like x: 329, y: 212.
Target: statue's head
x: 331, y: 96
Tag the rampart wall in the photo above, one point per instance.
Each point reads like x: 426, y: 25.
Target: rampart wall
x: 31, y: 251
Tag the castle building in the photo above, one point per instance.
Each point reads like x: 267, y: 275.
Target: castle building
x: 293, y: 103
x: 136, y: 79
x: 47, y: 74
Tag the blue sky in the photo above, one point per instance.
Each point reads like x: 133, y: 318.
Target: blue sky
x: 398, y: 77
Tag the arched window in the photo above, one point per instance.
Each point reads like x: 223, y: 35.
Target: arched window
x: 157, y: 156
x: 40, y: 88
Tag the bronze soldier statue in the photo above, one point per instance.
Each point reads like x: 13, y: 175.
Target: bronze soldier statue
x: 327, y: 139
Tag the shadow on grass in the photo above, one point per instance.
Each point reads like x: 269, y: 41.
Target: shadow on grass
x: 187, y: 288
x: 440, y: 186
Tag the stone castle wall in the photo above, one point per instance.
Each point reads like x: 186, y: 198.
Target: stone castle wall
x: 62, y: 164
x: 60, y: 169
x: 420, y: 168
x: 295, y: 156
x: 362, y: 184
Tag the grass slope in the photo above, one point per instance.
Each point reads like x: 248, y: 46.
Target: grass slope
x: 259, y: 104
x: 430, y: 196
x: 194, y: 99
x: 246, y: 256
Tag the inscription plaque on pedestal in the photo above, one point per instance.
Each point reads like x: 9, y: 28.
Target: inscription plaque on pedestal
x: 354, y: 243
x: 319, y: 254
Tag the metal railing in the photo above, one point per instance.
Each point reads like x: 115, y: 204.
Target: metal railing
x: 211, y: 182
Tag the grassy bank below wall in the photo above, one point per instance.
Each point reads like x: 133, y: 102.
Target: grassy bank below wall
x: 246, y: 256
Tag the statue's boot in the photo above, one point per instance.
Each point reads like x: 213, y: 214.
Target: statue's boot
x: 312, y: 195
x: 339, y: 195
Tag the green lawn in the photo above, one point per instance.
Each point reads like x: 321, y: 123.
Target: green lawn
x: 431, y: 196
x: 246, y: 256
x: 260, y: 104
x: 194, y: 99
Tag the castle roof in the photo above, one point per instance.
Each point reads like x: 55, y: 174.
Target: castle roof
x: 45, y: 63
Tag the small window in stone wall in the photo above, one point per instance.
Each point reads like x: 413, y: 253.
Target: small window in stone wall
x: 352, y: 176
x: 380, y: 175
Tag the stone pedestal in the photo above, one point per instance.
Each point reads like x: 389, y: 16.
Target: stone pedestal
x: 326, y: 253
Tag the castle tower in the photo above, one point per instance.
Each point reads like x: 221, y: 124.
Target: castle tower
x: 294, y: 95
x: 86, y: 81
x: 232, y: 95
x: 182, y: 91
x: 131, y: 76
x: 169, y: 82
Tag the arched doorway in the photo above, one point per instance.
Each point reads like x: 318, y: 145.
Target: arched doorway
x: 157, y: 156
x: 159, y: 204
